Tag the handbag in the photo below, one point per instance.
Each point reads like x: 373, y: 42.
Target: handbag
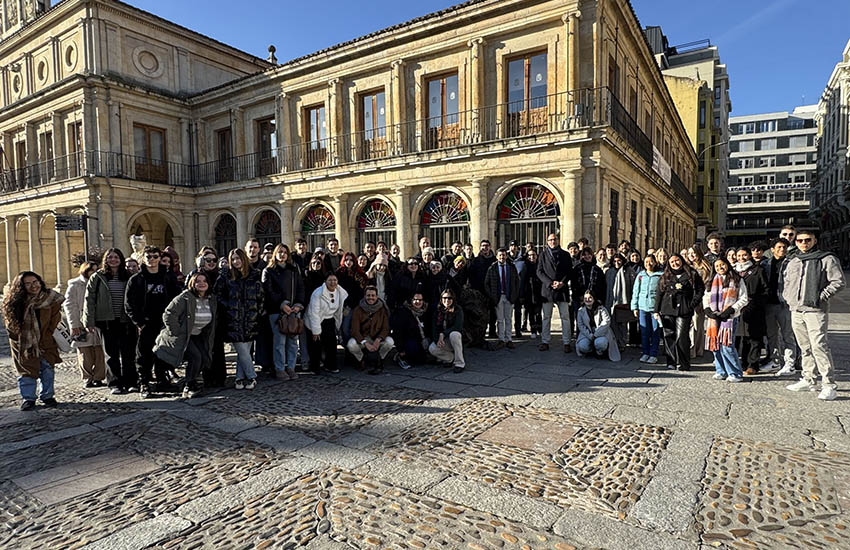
x: 624, y: 314
x: 290, y: 325
x: 63, y: 338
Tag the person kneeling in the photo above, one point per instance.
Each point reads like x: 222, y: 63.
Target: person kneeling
x: 370, y: 342
x: 594, y: 330
x: 448, y: 332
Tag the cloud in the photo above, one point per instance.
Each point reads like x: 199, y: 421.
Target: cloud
x: 757, y: 18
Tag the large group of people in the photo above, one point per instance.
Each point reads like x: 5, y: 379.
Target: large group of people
x: 135, y: 320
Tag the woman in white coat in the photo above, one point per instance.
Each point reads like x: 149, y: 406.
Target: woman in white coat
x: 595, y: 335
x: 323, y: 321
x: 89, y: 346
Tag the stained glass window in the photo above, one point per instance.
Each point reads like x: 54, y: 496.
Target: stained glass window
x: 376, y: 214
x: 529, y: 201
x: 318, y: 219
x: 445, y: 208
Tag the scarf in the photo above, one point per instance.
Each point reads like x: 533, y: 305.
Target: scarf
x: 720, y: 333
x: 371, y: 309
x: 30, y: 334
x: 621, y: 288
x: 811, y: 276
x: 417, y: 313
x: 743, y: 267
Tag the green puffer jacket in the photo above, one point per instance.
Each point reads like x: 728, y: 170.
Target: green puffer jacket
x: 178, y: 320
x: 97, y: 306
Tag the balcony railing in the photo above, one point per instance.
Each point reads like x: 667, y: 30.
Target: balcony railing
x: 531, y: 119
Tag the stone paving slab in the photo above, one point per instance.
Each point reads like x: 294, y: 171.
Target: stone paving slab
x: 46, y: 438
x: 141, y: 535
x: 594, y: 531
x: 336, y: 455
x: 278, y: 438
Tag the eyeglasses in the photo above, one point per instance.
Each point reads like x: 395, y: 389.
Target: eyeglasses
x: 210, y: 260
x: 152, y: 256
x: 788, y: 234
x: 412, y: 264
x: 807, y: 240
x: 32, y: 284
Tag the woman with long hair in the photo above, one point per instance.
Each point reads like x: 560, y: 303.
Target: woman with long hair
x: 352, y: 278
x: 643, y: 306
x: 595, y: 335
x: 284, y: 290
x: 104, y: 312
x: 723, y: 302
x: 240, y: 295
x: 531, y: 289
x: 31, y: 312
x: 189, y: 331
x: 753, y: 317
x: 89, y: 345
x: 447, y: 332
x: 697, y: 261
x: 323, y: 321
x: 679, y: 291
x: 215, y: 373
x: 620, y: 281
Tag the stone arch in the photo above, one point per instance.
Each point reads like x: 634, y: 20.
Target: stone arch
x: 314, y: 238
x: 224, y: 233
x: 534, y: 212
x: 298, y: 216
x: 455, y: 222
x: 266, y: 227
x: 374, y: 218
x: 425, y: 196
x: 158, y: 226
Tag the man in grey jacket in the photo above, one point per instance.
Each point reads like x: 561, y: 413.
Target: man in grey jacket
x: 812, y: 278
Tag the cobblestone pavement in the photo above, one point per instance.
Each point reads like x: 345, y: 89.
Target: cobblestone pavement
x: 524, y: 450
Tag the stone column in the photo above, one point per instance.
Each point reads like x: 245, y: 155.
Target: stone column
x: 204, y: 234
x: 288, y: 151
x: 336, y: 143
x: 572, y: 22
x: 190, y: 241
x: 60, y: 164
x: 36, y: 263
x: 398, y: 105
x: 572, y: 215
x: 101, y: 112
x: 32, y: 144
x: 241, y: 226
x: 12, y: 267
x: 479, y: 222
x: 120, y: 238
x: 237, y: 120
x: 287, y: 231
x: 402, y: 217
x: 476, y: 84
x: 185, y: 142
x: 341, y: 215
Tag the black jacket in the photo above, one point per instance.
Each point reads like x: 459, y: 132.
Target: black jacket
x: 492, y: 282
x: 405, y: 286
x: 312, y: 281
x: 531, y: 291
x: 478, y: 271
x: 240, y: 305
x: 679, y: 302
x: 554, y: 265
x: 302, y: 262
x: 755, y: 324
x: 148, y: 294
x: 586, y: 276
x: 435, y: 285
x: 282, y: 283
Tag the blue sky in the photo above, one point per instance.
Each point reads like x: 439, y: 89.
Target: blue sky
x: 777, y: 52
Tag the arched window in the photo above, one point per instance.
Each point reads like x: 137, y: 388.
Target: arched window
x: 225, y: 234
x: 317, y: 226
x: 267, y: 228
x: 445, y: 219
x: 528, y: 213
x: 375, y: 223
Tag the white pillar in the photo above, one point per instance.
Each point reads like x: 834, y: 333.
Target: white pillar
x: 341, y: 214
x: 241, y: 226
x: 571, y: 211
x: 287, y: 233
x: 402, y: 217
x: 479, y: 223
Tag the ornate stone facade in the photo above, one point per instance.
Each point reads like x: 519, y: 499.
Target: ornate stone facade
x: 489, y: 119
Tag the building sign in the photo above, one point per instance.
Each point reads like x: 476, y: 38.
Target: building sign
x: 660, y: 166
x: 768, y: 187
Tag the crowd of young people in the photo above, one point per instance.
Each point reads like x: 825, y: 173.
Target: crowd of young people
x: 136, y: 320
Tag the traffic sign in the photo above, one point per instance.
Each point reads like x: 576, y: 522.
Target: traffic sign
x: 70, y: 223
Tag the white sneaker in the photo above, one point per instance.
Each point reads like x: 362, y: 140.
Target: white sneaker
x: 732, y: 378
x: 718, y: 376
x: 801, y: 385
x: 251, y: 384
x: 652, y: 360
x: 534, y: 336
x: 787, y: 370
x: 828, y: 393
x: 643, y: 358
x: 239, y: 385
x: 770, y: 367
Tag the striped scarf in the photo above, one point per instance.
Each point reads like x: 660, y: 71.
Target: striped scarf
x: 720, y: 333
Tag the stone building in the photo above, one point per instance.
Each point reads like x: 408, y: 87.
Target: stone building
x: 700, y: 61
x: 494, y: 118
x: 773, y: 162
x: 830, y: 204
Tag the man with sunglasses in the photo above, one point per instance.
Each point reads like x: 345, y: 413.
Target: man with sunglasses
x: 148, y: 294
x: 789, y: 233
x: 811, y: 279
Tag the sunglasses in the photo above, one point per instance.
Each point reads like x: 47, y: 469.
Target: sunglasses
x: 152, y: 256
x: 808, y: 240
x: 414, y: 264
x: 210, y: 260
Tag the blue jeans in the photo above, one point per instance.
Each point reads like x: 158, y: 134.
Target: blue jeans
x: 726, y: 362
x: 244, y: 361
x: 650, y: 334
x: 27, y: 385
x: 285, y: 347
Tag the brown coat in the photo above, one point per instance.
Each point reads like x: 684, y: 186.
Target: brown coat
x: 49, y: 318
x: 362, y: 327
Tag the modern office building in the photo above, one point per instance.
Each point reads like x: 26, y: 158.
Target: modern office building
x: 494, y: 119
x: 830, y: 204
x: 700, y: 61
x: 773, y: 162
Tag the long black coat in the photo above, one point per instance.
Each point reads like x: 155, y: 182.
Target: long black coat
x: 753, y: 319
x: 405, y: 286
x: 478, y: 271
x: 679, y: 302
x: 240, y: 303
x: 586, y: 276
x: 531, y: 287
x: 554, y: 265
x: 282, y: 283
